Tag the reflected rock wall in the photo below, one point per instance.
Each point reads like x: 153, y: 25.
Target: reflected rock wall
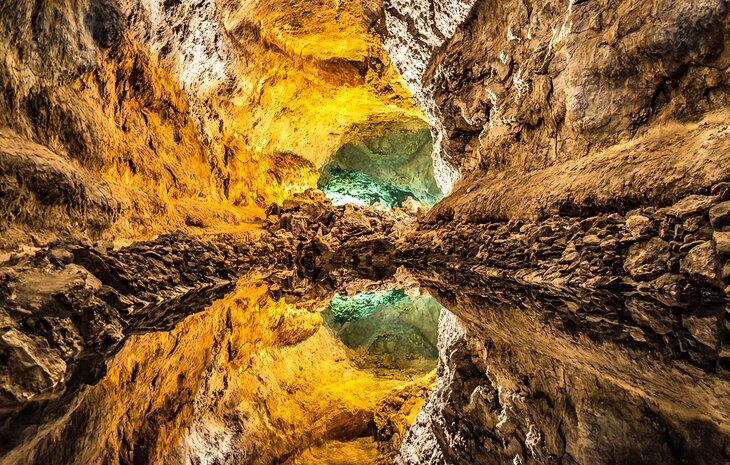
x: 533, y: 375
x: 248, y: 380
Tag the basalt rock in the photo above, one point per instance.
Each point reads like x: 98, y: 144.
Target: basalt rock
x: 535, y: 374
x: 702, y: 263
x: 69, y: 308
x: 570, y: 108
x: 720, y: 215
x: 646, y: 261
x: 605, y: 251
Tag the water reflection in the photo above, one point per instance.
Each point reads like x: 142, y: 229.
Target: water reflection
x: 540, y: 373
x: 254, y: 378
x: 389, y: 330
x: 278, y: 374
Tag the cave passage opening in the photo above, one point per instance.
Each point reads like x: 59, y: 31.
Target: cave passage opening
x: 385, y: 162
x: 388, y: 330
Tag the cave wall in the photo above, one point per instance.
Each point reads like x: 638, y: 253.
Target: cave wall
x: 411, y: 32
x: 571, y: 107
x: 149, y: 115
x: 559, y: 111
x: 516, y: 387
x: 217, y: 388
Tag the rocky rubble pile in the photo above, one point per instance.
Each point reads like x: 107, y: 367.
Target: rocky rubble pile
x: 679, y: 255
x: 645, y: 247
x: 325, y: 241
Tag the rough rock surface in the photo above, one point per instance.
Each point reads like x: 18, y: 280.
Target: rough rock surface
x: 331, y: 243
x: 669, y: 254
x: 68, y: 308
x: 411, y: 32
x: 543, y: 106
x: 193, y: 114
x: 533, y: 374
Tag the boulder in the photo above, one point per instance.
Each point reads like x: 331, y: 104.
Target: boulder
x: 35, y: 366
x: 702, y: 264
x: 647, y: 260
x: 691, y: 205
x: 722, y: 242
x: 638, y: 226
x: 704, y: 329
x: 650, y: 316
x: 720, y: 215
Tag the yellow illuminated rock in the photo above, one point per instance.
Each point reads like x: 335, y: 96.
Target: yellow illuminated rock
x: 249, y: 377
x: 182, y: 116
x: 320, y: 79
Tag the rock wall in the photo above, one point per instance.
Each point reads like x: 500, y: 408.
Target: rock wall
x: 565, y: 107
x: 533, y: 377
x: 151, y: 116
x: 584, y: 146
x: 411, y: 32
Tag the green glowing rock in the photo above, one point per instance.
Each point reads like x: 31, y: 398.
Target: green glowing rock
x: 390, y: 330
x: 353, y: 308
x: 390, y: 153
x: 386, y: 161
x: 348, y: 186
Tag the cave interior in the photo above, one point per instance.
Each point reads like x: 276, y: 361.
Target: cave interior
x: 364, y: 232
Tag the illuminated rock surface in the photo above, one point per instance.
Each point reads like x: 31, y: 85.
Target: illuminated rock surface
x: 151, y: 116
x: 218, y: 386
x: 567, y: 107
x: 347, y: 186
x: 168, y: 295
x: 389, y: 166
x: 390, y: 330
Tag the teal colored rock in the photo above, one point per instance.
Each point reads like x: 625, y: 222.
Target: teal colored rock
x: 388, y: 163
x: 389, y: 330
x: 353, y: 308
x: 348, y: 186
